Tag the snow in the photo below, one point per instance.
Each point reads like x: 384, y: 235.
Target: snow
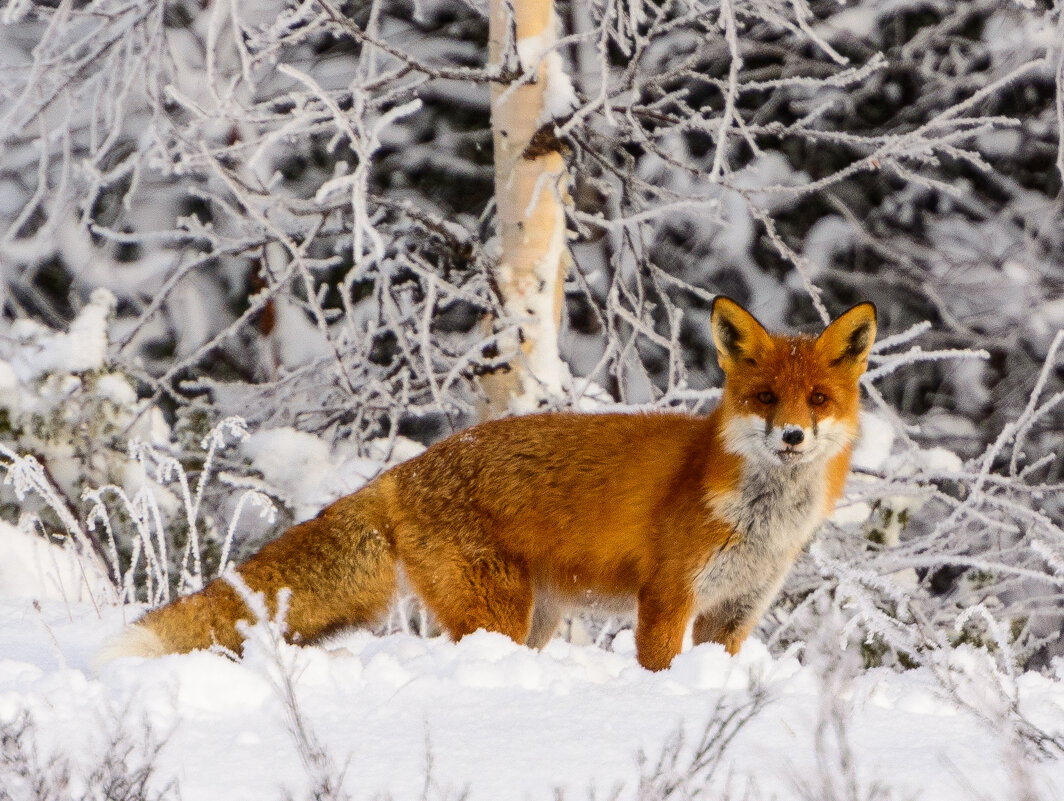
x: 559, y: 99
x: 291, y: 459
x: 874, y: 442
x: 303, y: 470
x: 117, y: 389
x: 10, y: 396
x: 830, y: 236
x: 32, y: 567
x: 82, y: 348
x: 300, y: 341
x: 501, y: 720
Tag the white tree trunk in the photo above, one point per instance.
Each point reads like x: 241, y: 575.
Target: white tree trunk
x: 530, y: 192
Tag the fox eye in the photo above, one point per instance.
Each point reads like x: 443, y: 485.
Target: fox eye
x: 818, y: 398
x: 766, y: 397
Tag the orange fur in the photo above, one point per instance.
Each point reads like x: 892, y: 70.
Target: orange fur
x: 505, y: 525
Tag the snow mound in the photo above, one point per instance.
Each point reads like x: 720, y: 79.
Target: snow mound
x: 492, y: 717
x: 32, y: 567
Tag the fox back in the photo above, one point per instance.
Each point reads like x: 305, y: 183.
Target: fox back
x: 509, y: 524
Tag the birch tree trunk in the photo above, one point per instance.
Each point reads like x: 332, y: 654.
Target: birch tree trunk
x: 530, y: 193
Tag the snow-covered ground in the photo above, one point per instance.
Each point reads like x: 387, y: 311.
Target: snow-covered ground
x: 494, y: 718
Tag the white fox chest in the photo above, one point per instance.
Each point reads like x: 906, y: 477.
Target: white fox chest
x: 774, y: 512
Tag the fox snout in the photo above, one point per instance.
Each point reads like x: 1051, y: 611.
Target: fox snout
x: 791, y: 443
x: 755, y: 438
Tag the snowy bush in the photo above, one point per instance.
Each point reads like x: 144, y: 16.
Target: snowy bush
x: 94, y: 467
x: 122, y: 771
x: 61, y: 401
x: 683, y: 769
x: 218, y: 181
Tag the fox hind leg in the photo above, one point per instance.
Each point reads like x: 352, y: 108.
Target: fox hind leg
x: 339, y: 585
x: 546, y: 615
x: 466, y: 592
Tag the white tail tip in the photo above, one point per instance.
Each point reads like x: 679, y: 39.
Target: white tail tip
x: 133, y: 640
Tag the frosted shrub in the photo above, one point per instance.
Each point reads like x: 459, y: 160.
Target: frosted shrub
x: 234, y: 178
x: 686, y: 767
x: 180, y: 548
x: 63, y: 402
x: 81, y: 450
x: 123, y: 770
x: 66, y: 416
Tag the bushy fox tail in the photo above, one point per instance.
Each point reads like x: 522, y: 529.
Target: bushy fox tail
x: 339, y: 568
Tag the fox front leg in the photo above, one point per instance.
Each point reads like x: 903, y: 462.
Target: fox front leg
x: 729, y: 624
x: 660, y: 626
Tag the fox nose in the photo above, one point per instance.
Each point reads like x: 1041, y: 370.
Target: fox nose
x: 793, y: 436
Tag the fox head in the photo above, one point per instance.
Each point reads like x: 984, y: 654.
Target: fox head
x: 790, y: 399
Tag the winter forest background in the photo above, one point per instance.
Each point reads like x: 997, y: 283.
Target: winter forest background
x: 249, y: 254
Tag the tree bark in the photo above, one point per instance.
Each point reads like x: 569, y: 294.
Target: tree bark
x: 531, y: 190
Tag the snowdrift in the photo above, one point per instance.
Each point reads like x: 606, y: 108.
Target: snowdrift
x: 415, y: 718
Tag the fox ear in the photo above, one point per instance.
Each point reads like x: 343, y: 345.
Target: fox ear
x: 738, y: 336
x: 849, y: 338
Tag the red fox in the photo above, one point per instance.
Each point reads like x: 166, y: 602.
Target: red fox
x: 510, y: 523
